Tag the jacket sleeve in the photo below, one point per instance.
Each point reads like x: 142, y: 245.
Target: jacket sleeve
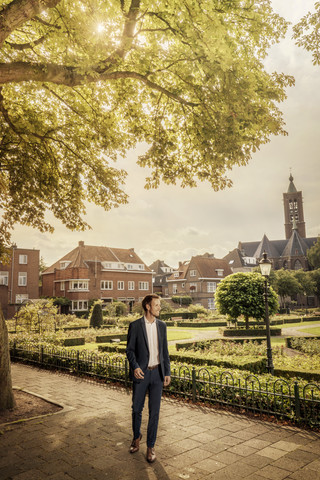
x: 166, y: 358
x: 131, y: 347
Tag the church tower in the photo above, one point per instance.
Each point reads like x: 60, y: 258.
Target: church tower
x: 293, y: 211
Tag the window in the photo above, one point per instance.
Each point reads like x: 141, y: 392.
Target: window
x: 220, y: 272
x: 211, y: 287
x: 131, y: 285
x: 4, y: 278
x: 193, y: 287
x: 106, y: 285
x: 64, y: 264
x: 62, y: 285
x: 22, y: 279
x: 79, y: 305
x: 193, y: 273
x: 129, y: 266
x: 211, y: 305
x: 176, y: 275
x: 23, y: 259
x: 21, y: 297
x: 120, y: 285
x: 174, y: 288
x: 298, y: 265
x: 140, y: 266
x: 79, y: 285
x: 143, y: 285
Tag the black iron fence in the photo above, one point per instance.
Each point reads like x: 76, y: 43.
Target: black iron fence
x: 298, y: 402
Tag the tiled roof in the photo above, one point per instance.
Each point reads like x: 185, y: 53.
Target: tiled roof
x: 296, y: 246
x: 234, y: 259
x: 207, y: 267
x: 87, y: 253
x: 266, y: 246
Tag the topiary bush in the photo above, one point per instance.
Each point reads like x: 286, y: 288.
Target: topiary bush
x: 96, y: 318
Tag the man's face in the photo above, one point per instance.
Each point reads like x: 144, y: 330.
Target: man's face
x: 155, y: 307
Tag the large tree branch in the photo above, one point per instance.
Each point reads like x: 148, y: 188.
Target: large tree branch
x: 17, y: 12
x: 69, y: 76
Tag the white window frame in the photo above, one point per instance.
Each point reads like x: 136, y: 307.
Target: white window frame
x: 22, y: 279
x: 193, y: 273
x: 4, y: 278
x: 141, y: 266
x: 174, y: 288
x: 211, y: 304
x: 143, y: 285
x: 106, y: 285
x: 79, y: 285
x: 64, y: 264
x: 63, y: 285
x: 79, y: 305
x: 23, y: 259
x: 120, y: 285
x: 131, y: 285
x: 193, y: 285
x: 20, y: 297
x: 211, y: 287
x: 220, y: 272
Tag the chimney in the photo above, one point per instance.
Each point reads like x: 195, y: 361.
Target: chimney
x: 81, y: 243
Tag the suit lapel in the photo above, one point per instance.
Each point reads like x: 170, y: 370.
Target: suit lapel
x: 143, y: 326
x: 159, y: 336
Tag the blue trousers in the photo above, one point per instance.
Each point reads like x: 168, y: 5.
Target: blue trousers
x: 153, y: 384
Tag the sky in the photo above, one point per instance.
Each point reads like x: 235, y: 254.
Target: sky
x: 172, y: 224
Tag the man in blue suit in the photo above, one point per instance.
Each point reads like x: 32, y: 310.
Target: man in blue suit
x: 148, y: 356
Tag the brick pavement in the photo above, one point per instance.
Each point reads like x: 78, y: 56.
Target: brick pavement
x: 90, y: 439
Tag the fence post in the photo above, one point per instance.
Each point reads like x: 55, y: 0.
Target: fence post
x: 296, y: 399
x: 77, y: 365
x: 194, y: 387
x: 41, y: 355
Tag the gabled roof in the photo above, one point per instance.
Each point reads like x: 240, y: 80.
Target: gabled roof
x: 207, y: 266
x: 83, y: 254
x: 234, y: 259
x: 296, y: 246
x: 157, y: 265
x: 181, y: 270
x: 266, y: 246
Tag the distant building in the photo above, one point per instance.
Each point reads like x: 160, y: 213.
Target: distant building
x: 290, y: 253
x: 90, y: 272
x: 199, y: 278
x: 19, y: 280
x: 160, y: 272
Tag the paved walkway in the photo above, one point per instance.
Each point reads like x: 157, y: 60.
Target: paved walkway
x: 90, y: 439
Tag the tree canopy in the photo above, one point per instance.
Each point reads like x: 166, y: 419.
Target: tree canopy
x: 243, y: 294
x: 313, y: 254
x: 83, y: 81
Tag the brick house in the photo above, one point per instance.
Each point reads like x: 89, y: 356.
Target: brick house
x: 161, y: 272
x: 199, y: 278
x: 19, y: 279
x: 90, y: 272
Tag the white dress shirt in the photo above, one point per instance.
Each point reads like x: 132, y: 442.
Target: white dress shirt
x: 152, y: 334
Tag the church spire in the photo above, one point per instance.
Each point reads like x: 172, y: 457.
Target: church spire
x: 293, y: 211
x: 291, y: 188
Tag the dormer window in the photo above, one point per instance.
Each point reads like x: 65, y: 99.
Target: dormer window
x: 220, y: 272
x: 176, y: 275
x: 193, y: 273
x: 64, y: 264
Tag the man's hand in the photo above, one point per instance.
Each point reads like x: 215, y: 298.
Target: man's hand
x: 167, y: 381
x: 138, y: 373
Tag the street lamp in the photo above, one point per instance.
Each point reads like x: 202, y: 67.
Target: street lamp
x: 265, y: 267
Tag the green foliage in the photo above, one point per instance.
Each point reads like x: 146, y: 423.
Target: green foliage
x: 310, y: 346
x: 96, y: 318
x: 198, y: 309
x: 165, y: 306
x: 84, y: 82
x: 116, y: 309
x: 306, y: 281
x: 242, y: 294
x: 316, y: 278
x: 313, y: 254
x: 286, y: 284
x: 37, y: 316
x: 181, y: 299
x: 306, y: 33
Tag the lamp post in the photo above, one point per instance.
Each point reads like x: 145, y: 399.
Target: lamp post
x: 265, y: 267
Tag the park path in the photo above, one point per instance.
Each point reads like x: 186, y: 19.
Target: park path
x: 90, y: 438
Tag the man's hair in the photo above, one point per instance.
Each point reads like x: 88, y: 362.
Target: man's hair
x: 148, y: 299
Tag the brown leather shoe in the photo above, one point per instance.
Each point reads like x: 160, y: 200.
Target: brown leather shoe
x: 151, y: 454
x: 135, y: 445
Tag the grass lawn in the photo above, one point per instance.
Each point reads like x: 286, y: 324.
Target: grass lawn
x: 292, y: 325
x: 313, y: 331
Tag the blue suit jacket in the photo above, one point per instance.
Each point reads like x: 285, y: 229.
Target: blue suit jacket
x: 138, y: 349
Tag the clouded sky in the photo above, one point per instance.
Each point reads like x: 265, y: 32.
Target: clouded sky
x: 172, y: 224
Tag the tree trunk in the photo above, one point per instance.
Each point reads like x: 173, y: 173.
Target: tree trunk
x: 6, y: 393
x: 247, y: 322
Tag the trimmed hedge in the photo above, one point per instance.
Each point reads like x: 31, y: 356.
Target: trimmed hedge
x: 111, y: 347
x: 186, y: 315
x: 289, y: 340
x: 251, y: 332
x: 181, y: 346
x: 73, y: 342
x: 112, y: 336
x: 252, y: 365
x: 290, y: 373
